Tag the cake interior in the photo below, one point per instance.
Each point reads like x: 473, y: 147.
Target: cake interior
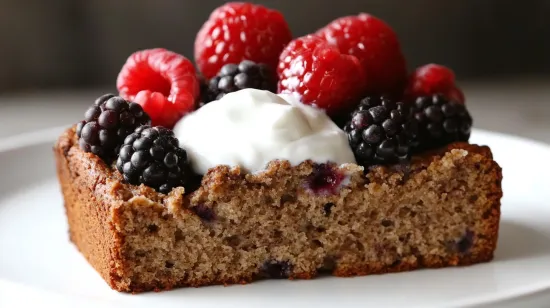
x: 287, y: 221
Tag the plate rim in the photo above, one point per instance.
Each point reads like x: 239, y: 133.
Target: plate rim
x: 50, y: 135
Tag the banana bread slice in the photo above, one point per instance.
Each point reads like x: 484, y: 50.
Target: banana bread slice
x: 442, y: 209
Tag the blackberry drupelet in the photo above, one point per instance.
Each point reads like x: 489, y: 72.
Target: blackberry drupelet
x: 233, y: 77
x: 440, y: 121
x: 381, y: 131
x: 106, y: 123
x: 152, y: 156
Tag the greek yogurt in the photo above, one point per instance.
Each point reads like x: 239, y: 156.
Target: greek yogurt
x: 250, y: 128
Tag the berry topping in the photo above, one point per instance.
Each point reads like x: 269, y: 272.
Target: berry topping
x: 239, y: 31
x: 152, y: 156
x: 164, y: 83
x: 204, y: 212
x: 376, y: 46
x: 441, y: 121
x: 465, y: 243
x: 324, y: 180
x: 107, y: 123
x: 276, y: 269
x: 320, y: 74
x: 381, y: 131
x: 233, y: 77
x: 433, y: 79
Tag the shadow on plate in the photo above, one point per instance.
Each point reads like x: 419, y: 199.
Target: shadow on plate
x: 518, y: 241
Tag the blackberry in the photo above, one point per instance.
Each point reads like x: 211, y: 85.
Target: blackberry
x: 381, y: 131
x: 152, y: 156
x: 106, y: 123
x: 440, y: 121
x: 233, y: 77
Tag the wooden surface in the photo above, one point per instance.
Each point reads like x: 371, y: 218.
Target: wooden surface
x: 518, y: 107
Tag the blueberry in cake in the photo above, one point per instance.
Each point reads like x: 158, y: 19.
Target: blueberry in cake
x: 256, y: 184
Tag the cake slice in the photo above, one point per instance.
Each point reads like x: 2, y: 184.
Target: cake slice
x: 286, y: 221
x: 179, y: 181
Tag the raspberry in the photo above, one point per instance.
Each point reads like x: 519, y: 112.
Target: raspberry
x: 107, y: 123
x: 322, y: 75
x: 240, y: 31
x: 376, y: 46
x: 433, y: 79
x: 152, y: 156
x: 381, y: 131
x: 164, y: 83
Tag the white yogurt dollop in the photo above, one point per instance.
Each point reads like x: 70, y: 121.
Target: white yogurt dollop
x: 251, y: 127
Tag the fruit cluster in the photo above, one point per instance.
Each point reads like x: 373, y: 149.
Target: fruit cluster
x: 353, y: 69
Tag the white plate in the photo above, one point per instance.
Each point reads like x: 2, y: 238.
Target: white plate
x: 39, y: 265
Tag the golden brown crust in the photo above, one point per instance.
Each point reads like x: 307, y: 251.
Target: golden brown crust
x: 140, y: 240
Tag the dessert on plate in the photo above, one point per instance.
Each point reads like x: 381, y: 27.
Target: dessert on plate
x: 277, y: 158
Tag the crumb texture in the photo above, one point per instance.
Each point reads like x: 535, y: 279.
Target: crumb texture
x: 285, y: 222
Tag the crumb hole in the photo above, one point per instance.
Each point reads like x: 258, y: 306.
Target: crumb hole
x: 395, y: 263
x: 413, y: 214
x: 140, y: 253
x: 152, y: 228
x: 307, y: 227
x: 458, y: 209
x: 268, y: 200
x: 233, y: 240
x: 286, y: 198
x: 487, y: 214
x: 404, y: 212
x: 473, y: 198
x: 169, y: 264
x: 277, y: 234
x: 387, y: 223
x: 178, y: 235
x: 328, y: 208
x: 329, y: 263
x: 321, y: 229
x: 317, y: 243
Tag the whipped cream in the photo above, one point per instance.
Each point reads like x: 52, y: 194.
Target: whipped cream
x: 252, y: 127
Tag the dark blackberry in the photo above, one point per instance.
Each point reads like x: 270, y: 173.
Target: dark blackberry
x: 152, y: 156
x: 233, y: 77
x: 106, y: 123
x: 440, y: 121
x: 381, y: 131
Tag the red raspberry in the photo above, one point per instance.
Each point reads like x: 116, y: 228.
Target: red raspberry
x: 376, y: 46
x: 322, y: 75
x: 164, y: 83
x: 433, y: 79
x: 240, y: 31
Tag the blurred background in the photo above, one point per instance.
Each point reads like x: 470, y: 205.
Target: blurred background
x: 63, y: 53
